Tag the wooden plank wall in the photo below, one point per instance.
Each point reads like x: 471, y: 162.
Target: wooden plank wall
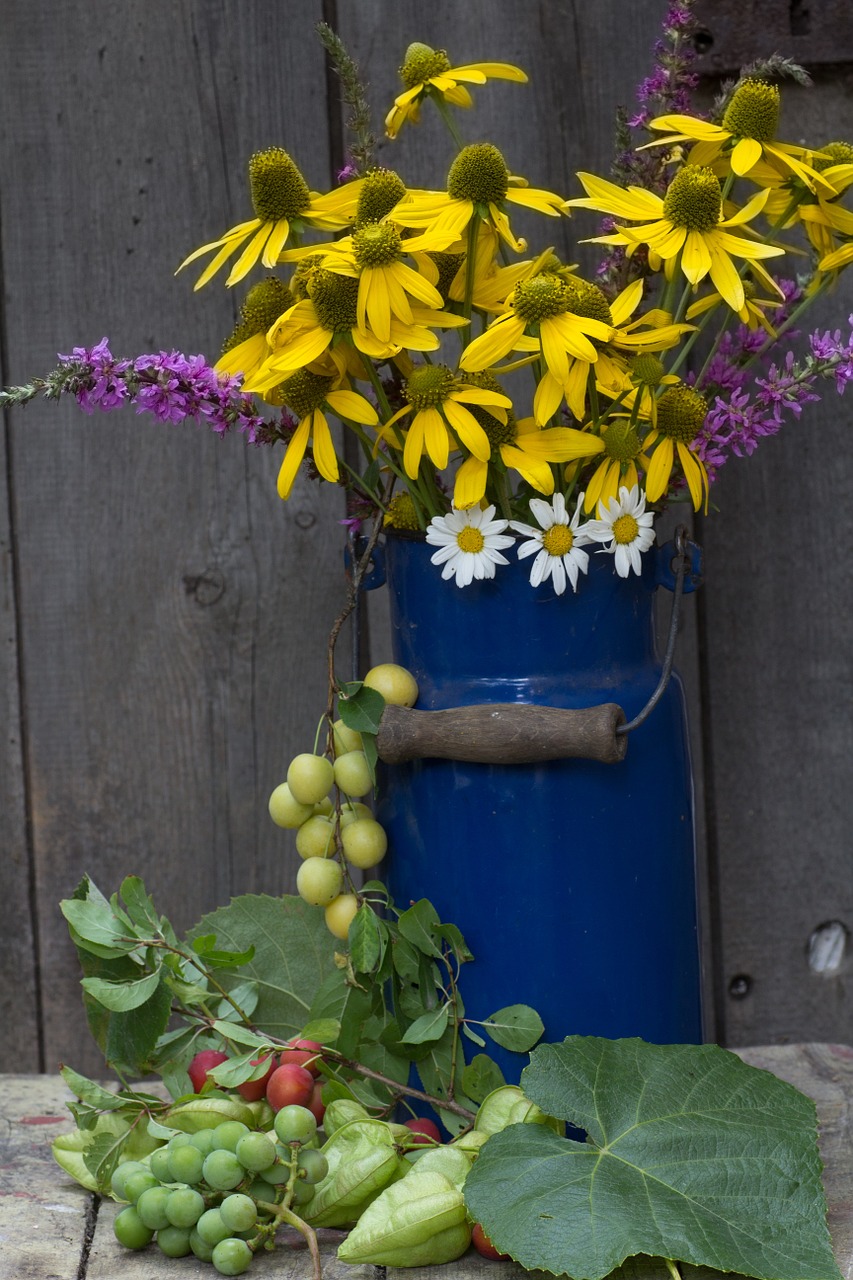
x: 163, y: 615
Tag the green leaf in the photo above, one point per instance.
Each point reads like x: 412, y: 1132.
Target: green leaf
x: 453, y: 937
x: 419, y: 925
x: 241, y: 1035
x: 90, y: 1092
x: 691, y: 1155
x: 430, y: 1026
x: 140, y: 907
x: 481, y: 1076
x: 323, y: 1030
x: 214, y: 957
x: 294, y: 953
x: 360, y: 707
x: 132, y: 1036
x: 95, y: 922
x: 245, y: 995
x: 472, y: 1035
x: 120, y: 997
x: 517, y: 1027
x: 345, y: 1004
x: 367, y: 938
x: 371, y: 752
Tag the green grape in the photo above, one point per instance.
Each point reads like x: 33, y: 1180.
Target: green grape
x: 294, y: 1124
x: 179, y: 1140
x: 231, y: 1257
x: 255, y: 1151
x: 238, y: 1212
x: 151, y: 1207
x: 264, y: 1191
x: 120, y: 1175
x: 315, y: 1165
x: 202, y: 1250
x: 159, y: 1164
x: 185, y: 1164
x: 136, y: 1183
x: 203, y: 1141
x: 211, y: 1228
x: 184, y: 1207
x: 302, y: 1191
x: 222, y: 1170
x: 278, y: 1172
x: 174, y: 1241
x: 228, y: 1134
x: 130, y: 1230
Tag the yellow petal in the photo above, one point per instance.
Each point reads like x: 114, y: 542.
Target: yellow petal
x: 435, y: 436
x: 660, y: 469
x: 276, y: 242
x: 233, y: 237
x: 491, y: 346
x: 414, y: 446
x: 470, y: 484
x: 495, y: 70
x: 325, y: 458
x: 468, y: 429
x: 534, y: 470
x: 694, y: 474
x: 627, y: 302
x: 349, y: 404
x: 250, y: 255
x: 696, y: 257
x: 293, y: 457
x: 746, y: 153
x: 548, y: 398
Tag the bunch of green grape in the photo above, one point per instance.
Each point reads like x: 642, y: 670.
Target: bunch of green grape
x: 220, y: 1193
x: 334, y: 836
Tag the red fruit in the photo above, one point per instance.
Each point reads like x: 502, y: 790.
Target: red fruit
x: 203, y: 1062
x: 316, y: 1106
x: 484, y: 1246
x: 427, y: 1130
x: 303, y: 1053
x: 253, y: 1090
x: 289, y: 1084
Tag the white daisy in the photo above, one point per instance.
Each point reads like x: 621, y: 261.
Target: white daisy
x: 625, y: 524
x: 558, y: 541
x: 469, y: 543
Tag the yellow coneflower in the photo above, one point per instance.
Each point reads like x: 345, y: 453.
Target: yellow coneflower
x: 437, y: 402
x: 282, y: 203
x: 247, y: 348
x: 426, y: 71
x: 309, y: 395
x: 681, y: 412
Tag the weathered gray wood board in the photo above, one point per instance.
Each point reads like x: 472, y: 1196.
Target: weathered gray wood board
x: 163, y: 616
x: 51, y: 1229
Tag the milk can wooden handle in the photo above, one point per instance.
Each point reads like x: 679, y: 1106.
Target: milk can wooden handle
x: 502, y: 733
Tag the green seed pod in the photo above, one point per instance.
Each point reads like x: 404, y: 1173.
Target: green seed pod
x: 453, y: 1163
x: 418, y: 1222
x: 508, y: 1105
x: 207, y: 1113
x: 362, y: 1160
x: 341, y: 1112
x: 470, y: 1142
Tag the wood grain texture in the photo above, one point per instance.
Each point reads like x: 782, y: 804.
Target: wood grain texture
x: 172, y: 609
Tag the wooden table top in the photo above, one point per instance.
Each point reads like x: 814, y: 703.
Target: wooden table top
x: 51, y: 1229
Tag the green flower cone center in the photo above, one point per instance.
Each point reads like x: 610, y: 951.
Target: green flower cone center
x: 694, y: 199
x: 401, y: 512
x: 376, y: 245
x: 265, y: 302
x: 838, y: 153
x: 240, y: 333
x: 647, y: 370
x: 681, y: 413
x: 498, y: 433
x: 470, y: 539
x: 625, y: 530
x: 380, y: 191
x: 303, y: 392
x: 478, y: 173
x: 587, y: 300
x: 421, y: 63
x: 302, y: 275
x: 621, y: 442
x: 539, y: 298
x: 429, y: 385
x: 753, y: 111
x: 558, y: 539
x: 448, y: 265
x: 335, y: 299
x: 278, y: 188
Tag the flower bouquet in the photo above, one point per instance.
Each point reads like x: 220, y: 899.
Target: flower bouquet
x: 498, y: 407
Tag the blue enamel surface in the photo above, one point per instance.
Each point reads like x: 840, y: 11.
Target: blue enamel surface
x: 572, y: 881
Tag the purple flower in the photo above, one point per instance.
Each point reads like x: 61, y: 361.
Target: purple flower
x: 96, y: 379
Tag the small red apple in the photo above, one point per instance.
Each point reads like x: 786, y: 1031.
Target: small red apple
x: 203, y: 1062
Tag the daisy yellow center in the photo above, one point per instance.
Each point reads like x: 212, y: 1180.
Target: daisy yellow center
x: 401, y: 512
x: 694, y: 199
x: 478, y: 173
x: 278, y: 188
x: 837, y: 152
x: 625, y: 529
x: 376, y: 245
x: 422, y: 63
x: 265, y: 302
x: 303, y: 392
x: 335, y: 300
x: 540, y: 298
x: 470, y: 539
x: 558, y: 539
x: 753, y: 111
x: 621, y: 442
x: 428, y: 385
x: 587, y: 300
x: 380, y: 191
x: 647, y: 370
x: 680, y: 413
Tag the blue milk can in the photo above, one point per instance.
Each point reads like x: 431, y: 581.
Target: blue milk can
x: 573, y: 881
